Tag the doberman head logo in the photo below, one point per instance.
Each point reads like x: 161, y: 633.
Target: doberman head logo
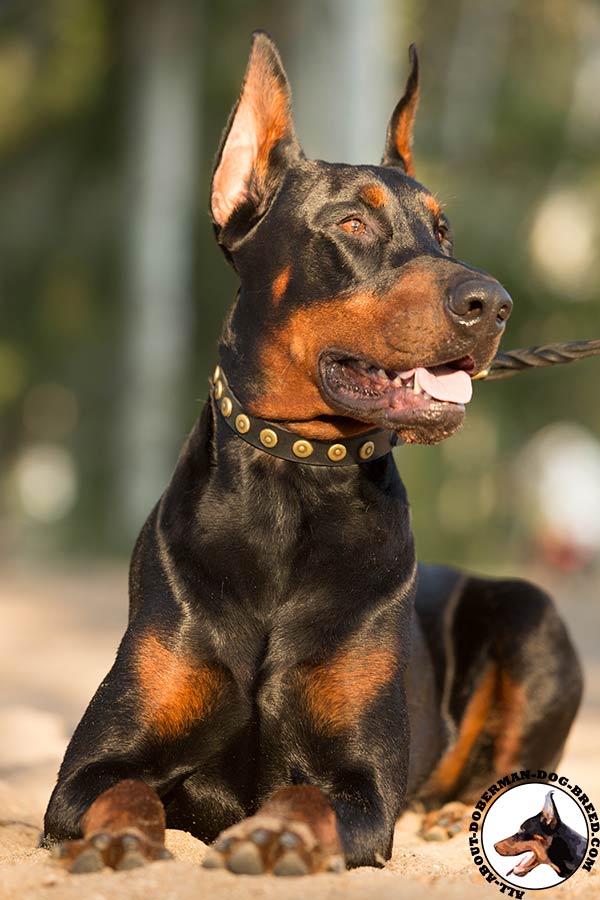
x: 544, y: 839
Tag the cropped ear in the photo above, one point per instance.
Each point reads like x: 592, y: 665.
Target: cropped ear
x: 259, y: 141
x: 398, y: 144
x: 549, y: 812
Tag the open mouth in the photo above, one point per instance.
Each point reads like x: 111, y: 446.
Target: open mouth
x: 394, y: 399
x: 525, y: 864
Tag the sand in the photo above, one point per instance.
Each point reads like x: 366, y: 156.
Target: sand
x: 59, y: 638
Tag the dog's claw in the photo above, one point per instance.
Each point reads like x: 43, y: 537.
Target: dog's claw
x: 289, y: 840
x: 260, y: 836
x: 223, y: 844
x: 443, y: 824
x: 123, y: 850
x: 272, y: 843
x: 246, y: 860
x: 59, y: 851
x: 291, y: 863
x: 213, y: 860
x: 88, y: 861
x: 101, y: 841
x: 131, y: 859
x: 130, y: 842
x: 336, y: 864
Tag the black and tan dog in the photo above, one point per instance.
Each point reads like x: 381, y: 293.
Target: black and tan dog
x: 546, y: 839
x: 277, y: 681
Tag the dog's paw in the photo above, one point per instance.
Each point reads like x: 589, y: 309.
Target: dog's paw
x: 443, y: 824
x: 265, y: 843
x: 126, y: 849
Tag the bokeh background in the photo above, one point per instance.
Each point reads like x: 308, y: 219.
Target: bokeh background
x: 112, y: 294
x: 112, y: 290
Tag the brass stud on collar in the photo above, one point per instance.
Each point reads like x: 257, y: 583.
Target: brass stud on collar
x: 242, y: 423
x: 303, y: 449
x: 366, y: 450
x: 336, y: 452
x: 268, y: 438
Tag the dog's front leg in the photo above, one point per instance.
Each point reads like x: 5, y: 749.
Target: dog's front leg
x: 307, y: 828
x: 160, y: 714
x: 340, y: 741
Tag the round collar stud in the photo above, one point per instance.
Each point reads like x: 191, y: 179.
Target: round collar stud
x: 337, y: 452
x: 277, y: 441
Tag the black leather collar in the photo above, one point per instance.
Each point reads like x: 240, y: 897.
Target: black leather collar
x: 278, y: 441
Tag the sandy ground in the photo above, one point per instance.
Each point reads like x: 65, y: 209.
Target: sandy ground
x: 58, y: 639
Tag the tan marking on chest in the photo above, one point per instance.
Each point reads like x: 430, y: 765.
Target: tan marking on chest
x: 337, y: 692
x: 174, y: 694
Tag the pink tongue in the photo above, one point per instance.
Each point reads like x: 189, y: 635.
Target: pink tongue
x: 453, y: 386
x: 523, y: 863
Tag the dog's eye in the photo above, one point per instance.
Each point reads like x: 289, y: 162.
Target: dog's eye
x: 443, y: 235
x: 441, y: 232
x: 354, y: 226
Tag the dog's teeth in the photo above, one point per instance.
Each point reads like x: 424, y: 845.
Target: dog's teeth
x: 426, y: 395
x: 398, y: 380
x: 381, y: 373
x: 416, y: 385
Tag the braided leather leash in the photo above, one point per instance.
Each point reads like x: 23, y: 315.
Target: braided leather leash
x: 514, y: 361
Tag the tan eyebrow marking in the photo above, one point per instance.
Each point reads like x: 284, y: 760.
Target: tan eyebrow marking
x: 432, y: 205
x: 280, y: 283
x: 373, y: 195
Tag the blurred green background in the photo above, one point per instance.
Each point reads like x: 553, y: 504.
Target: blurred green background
x: 112, y: 290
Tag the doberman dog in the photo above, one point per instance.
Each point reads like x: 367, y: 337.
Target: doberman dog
x: 288, y: 676
x: 546, y: 839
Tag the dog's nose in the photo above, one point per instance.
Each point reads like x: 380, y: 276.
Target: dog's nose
x: 476, y: 301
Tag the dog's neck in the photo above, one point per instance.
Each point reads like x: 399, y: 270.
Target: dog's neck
x: 242, y: 460
x: 283, y: 502
x: 575, y: 844
x: 283, y: 443
x: 287, y: 526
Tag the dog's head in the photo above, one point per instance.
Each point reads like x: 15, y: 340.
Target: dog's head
x: 533, y: 838
x: 353, y: 311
